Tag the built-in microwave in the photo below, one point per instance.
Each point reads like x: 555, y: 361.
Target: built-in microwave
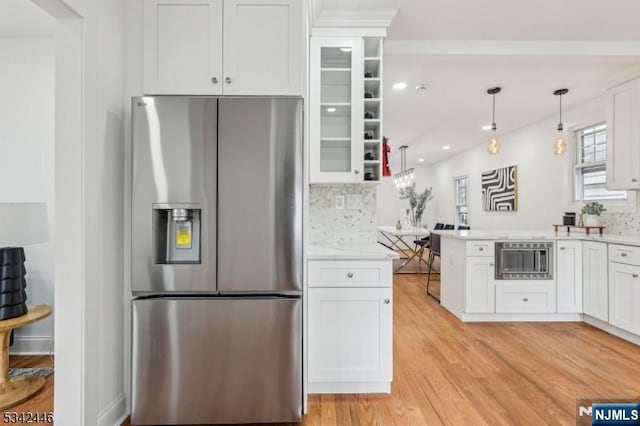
x: 524, y: 260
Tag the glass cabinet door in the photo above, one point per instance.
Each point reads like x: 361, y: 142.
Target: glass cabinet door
x: 336, y: 95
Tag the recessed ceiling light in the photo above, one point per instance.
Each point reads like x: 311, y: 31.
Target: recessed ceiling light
x: 446, y: 147
x: 345, y: 49
x: 401, y: 85
x: 487, y: 127
x: 420, y: 160
x: 331, y: 109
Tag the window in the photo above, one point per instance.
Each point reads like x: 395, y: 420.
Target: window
x: 462, y: 209
x: 591, y: 165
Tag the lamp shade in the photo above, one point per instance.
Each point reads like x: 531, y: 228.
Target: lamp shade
x: 23, y: 224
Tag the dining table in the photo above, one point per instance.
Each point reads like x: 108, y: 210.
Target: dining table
x: 394, y: 239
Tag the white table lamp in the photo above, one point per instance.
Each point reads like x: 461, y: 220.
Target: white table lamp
x: 21, y: 224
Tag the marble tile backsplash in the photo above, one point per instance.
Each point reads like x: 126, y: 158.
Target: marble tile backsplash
x: 329, y: 225
x: 622, y: 223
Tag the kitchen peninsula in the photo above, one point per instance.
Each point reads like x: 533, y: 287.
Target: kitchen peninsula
x: 543, y: 276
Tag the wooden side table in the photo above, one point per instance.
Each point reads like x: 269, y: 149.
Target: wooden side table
x: 16, y: 390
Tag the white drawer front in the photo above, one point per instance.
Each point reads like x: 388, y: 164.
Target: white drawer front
x: 624, y: 254
x: 350, y: 273
x: 530, y: 298
x: 480, y: 248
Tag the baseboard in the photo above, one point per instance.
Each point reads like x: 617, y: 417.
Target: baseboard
x: 31, y: 345
x: 115, y: 413
x: 350, y: 387
x: 618, y: 332
x: 521, y: 317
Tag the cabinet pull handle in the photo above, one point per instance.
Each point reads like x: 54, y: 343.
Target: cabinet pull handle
x: 524, y: 299
x: 350, y: 274
x: 214, y: 80
x: 634, y: 275
x: 623, y: 254
x: 227, y: 80
x: 634, y: 180
x: 387, y: 301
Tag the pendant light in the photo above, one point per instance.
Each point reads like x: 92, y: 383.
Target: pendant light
x: 406, y: 176
x: 493, y: 147
x: 560, y: 145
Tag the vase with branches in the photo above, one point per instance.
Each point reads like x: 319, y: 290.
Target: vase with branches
x: 417, y: 201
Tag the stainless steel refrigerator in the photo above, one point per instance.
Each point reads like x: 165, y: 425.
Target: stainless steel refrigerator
x: 216, y: 260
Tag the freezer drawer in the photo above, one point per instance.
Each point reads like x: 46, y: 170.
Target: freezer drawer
x: 216, y: 360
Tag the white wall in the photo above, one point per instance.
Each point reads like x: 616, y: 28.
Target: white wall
x: 90, y: 364
x: 545, y: 184
x: 27, y: 166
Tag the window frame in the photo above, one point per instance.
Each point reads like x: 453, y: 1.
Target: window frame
x: 579, y: 166
x: 461, y: 208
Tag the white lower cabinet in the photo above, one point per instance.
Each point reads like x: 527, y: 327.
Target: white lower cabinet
x: 525, y: 298
x: 350, y: 335
x: 480, y: 288
x: 624, y: 296
x: 595, y: 292
x: 569, y: 276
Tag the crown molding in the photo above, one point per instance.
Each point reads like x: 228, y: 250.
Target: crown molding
x: 352, y: 18
x: 513, y: 47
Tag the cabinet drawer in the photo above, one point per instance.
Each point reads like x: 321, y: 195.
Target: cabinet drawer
x: 624, y: 254
x: 350, y: 273
x: 480, y: 248
x: 530, y: 298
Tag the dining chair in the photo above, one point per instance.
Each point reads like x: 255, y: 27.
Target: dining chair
x: 434, y: 251
x: 423, y: 242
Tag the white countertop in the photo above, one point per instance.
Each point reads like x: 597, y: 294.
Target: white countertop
x: 372, y: 251
x: 633, y: 240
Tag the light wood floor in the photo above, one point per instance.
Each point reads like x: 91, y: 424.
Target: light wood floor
x: 453, y: 373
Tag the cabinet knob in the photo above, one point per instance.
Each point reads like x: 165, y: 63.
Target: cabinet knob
x: 562, y: 248
x: 491, y: 264
x: 227, y: 80
x: 480, y: 248
x: 524, y: 299
x: 214, y: 80
x: 356, y: 172
x: 634, y: 180
x: 350, y: 274
x: 634, y: 275
x: 387, y: 301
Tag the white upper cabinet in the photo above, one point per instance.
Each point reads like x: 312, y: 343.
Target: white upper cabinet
x: 595, y: 291
x: 623, y: 128
x: 569, y: 277
x: 263, y: 47
x: 182, y: 47
x: 215, y: 47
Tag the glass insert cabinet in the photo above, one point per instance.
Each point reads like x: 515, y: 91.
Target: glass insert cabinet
x: 345, y: 109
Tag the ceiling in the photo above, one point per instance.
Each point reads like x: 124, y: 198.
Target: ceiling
x: 506, y: 19
x: 23, y: 19
x: 456, y: 105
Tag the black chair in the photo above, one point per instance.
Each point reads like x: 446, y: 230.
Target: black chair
x: 434, y: 251
x: 423, y: 243
x: 449, y: 227
x: 463, y: 228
